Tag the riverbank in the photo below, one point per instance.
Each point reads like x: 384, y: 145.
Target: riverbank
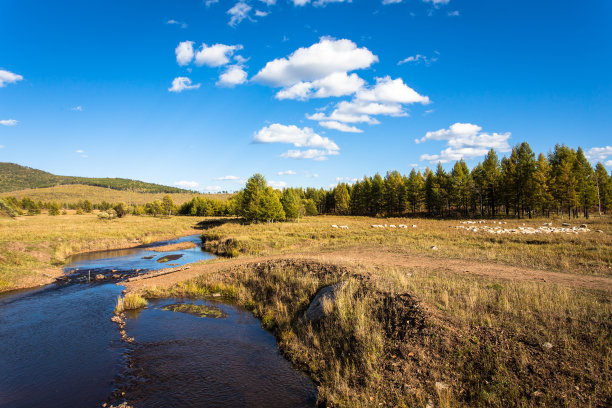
x: 474, y: 322
x: 33, y: 249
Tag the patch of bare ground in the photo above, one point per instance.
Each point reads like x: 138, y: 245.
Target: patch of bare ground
x: 173, y: 247
x: 416, y: 331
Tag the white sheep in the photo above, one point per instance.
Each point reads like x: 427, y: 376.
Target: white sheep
x: 344, y: 227
x: 334, y: 226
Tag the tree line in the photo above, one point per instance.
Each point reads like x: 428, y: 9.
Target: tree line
x: 519, y: 185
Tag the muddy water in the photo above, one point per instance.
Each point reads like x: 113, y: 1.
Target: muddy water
x: 58, y: 347
x: 184, y: 360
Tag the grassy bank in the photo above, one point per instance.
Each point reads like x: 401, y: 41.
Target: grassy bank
x: 583, y: 253
x: 33, y: 248
x: 403, y: 337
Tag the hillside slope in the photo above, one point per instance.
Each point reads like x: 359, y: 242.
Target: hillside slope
x: 14, y: 177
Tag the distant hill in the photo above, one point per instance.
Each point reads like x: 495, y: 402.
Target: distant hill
x: 14, y: 177
x: 73, y: 193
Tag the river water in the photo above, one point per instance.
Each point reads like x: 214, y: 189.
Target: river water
x: 58, y: 347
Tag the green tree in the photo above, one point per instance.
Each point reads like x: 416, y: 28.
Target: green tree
x: 121, y: 209
x: 269, y: 207
x: 167, y: 205
x: 342, y: 199
x: 601, y: 184
x: 251, y: 196
x: 291, y: 203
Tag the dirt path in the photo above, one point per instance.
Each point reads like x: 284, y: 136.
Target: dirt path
x: 377, y: 257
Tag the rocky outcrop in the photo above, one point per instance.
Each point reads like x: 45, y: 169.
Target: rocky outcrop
x: 316, y: 311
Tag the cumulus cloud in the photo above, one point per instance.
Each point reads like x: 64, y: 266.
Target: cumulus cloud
x: 213, y: 189
x: 187, y: 184
x: 239, y: 12
x: 386, y: 98
x: 598, y: 153
x: 184, y: 52
x: 342, y: 127
x: 180, y: 84
x: 464, y: 141
x: 215, y: 55
x: 287, y: 173
x: 306, y: 137
x: 316, y: 62
x: 336, y: 84
x: 233, y: 75
x: 7, y: 77
x: 8, y: 122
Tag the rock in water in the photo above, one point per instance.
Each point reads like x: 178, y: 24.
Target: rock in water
x: 315, y: 311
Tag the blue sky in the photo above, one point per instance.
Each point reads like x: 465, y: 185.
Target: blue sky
x: 318, y: 92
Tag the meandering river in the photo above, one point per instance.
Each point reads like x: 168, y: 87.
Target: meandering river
x: 58, y: 347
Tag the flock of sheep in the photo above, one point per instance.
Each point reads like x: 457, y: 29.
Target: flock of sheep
x: 547, y: 228
x: 376, y: 226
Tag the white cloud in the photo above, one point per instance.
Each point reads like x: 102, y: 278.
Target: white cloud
x: 213, y: 188
x: 598, y: 153
x: 453, y: 13
x: 80, y: 151
x: 260, y: 13
x: 342, y: 127
x: 387, y: 98
x: 389, y: 90
x: 316, y: 62
x: 180, y: 84
x: 77, y: 108
x: 239, y: 12
x: 216, y: 55
x: 608, y: 163
x: 174, y: 22
x: 287, y: 173
x: 416, y: 59
x: 233, y: 75
x: 9, y: 122
x: 228, y: 178
x: 464, y: 140
x: 277, y: 184
x: 335, y: 84
x: 306, y: 137
x: 184, y: 52
x: 187, y: 184
x: 211, y: 2
x: 385, y: 2
x: 7, y: 77
x: 314, y: 154
x: 318, y: 3
x: 269, y: 2
x: 437, y: 2
x: 2, y: 147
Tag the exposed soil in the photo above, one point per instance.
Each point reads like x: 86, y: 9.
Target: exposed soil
x: 380, y: 257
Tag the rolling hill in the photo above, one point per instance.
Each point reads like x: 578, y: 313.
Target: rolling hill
x: 14, y: 177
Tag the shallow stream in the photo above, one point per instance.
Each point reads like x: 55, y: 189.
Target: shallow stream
x: 58, y: 347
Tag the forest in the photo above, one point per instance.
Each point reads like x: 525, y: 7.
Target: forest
x: 520, y: 185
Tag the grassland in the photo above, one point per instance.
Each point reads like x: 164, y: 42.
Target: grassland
x: 583, y: 253
x: 33, y: 248
x: 71, y: 194
x: 512, y: 320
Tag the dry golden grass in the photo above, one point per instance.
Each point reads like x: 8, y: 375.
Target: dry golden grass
x: 405, y: 337
x: 583, y: 253
x: 130, y: 301
x: 33, y: 246
x: 70, y: 194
